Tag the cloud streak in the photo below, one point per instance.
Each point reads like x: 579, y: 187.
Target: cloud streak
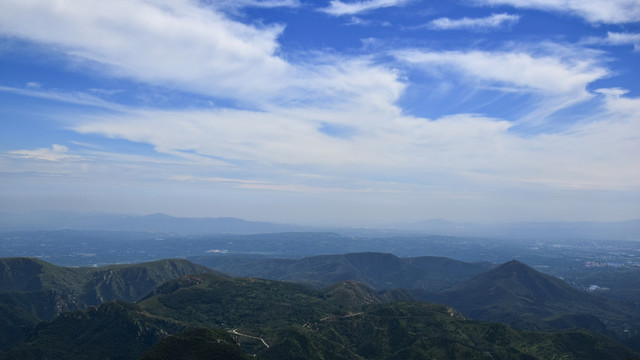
x: 339, y: 8
x: 553, y: 75
x: 55, y: 153
x: 594, y: 11
x: 617, y: 39
x: 173, y: 43
x: 490, y: 22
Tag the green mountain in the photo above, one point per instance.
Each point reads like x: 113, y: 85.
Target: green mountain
x: 32, y: 290
x: 62, y: 288
x: 377, y: 270
x: 281, y: 320
x: 518, y: 295
x: 212, y: 300
x: 133, y: 281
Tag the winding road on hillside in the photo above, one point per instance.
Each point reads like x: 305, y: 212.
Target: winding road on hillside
x: 235, y: 332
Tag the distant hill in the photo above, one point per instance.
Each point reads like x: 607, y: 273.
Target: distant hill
x: 377, y: 270
x: 280, y: 320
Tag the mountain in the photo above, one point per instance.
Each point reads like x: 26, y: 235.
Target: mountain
x: 518, y: 295
x: 32, y: 290
x: 161, y: 223
x: 81, y: 287
x: 377, y: 270
x: 280, y: 320
x: 428, y: 331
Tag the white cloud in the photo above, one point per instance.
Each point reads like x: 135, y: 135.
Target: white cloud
x: 55, y: 153
x: 78, y: 98
x: 339, y: 8
x: 449, y: 152
x: 489, y: 22
x: 594, y: 11
x: 183, y: 45
x: 617, y: 39
x: 258, y: 3
x: 175, y: 43
x: 556, y: 75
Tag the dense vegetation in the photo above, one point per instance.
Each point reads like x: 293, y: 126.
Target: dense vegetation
x: 32, y: 290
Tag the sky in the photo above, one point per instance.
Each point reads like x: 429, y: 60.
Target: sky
x: 321, y: 112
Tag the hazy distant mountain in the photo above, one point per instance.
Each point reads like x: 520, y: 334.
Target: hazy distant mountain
x: 378, y: 270
x: 52, y: 220
x: 56, y: 220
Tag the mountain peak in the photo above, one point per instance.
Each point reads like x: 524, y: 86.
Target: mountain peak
x: 516, y: 280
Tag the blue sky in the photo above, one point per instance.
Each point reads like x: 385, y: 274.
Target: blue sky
x: 322, y: 112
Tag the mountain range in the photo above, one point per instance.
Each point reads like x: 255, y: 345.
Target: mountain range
x: 193, y: 308
x: 161, y: 223
x: 281, y: 320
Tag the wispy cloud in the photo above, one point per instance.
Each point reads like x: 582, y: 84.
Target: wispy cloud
x: 271, y: 186
x: 490, y: 22
x: 617, y: 39
x: 554, y: 74
x: 258, y: 3
x: 77, y: 98
x: 181, y: 45
x: 339, y: 8
x: 594, y: 11
x: 55, y: 153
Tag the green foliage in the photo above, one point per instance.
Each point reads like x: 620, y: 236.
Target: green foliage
x: 196, y: 344
x: 114, y: 330
x: 426, y: 331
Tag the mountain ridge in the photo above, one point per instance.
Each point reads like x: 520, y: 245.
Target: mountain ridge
x: 163, y: 223
x: 378, y: 270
